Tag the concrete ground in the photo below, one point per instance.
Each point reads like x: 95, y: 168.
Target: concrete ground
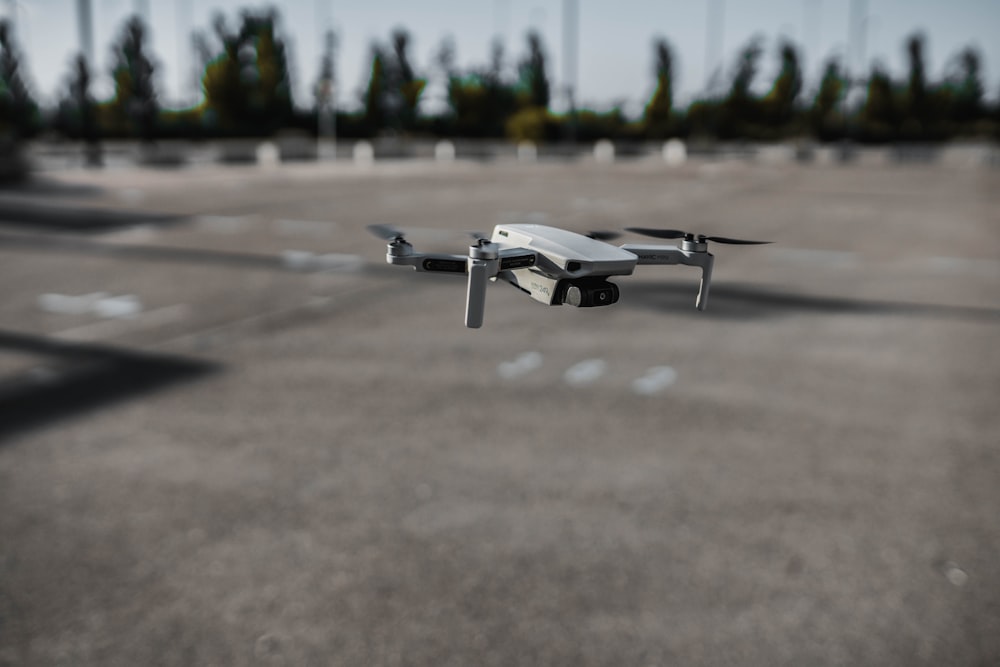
x: 231, y: 435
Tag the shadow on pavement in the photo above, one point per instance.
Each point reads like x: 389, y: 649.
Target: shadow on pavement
x: 48, y: 243
x: 81, y: 378
x: 743, y: 302
x: 44, y: 216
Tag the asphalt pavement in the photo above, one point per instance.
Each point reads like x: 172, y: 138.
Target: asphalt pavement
x: 230, y: 434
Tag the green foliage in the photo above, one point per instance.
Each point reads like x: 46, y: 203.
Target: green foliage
x: 826, y: 117
x: 533, y: 86
x: 481, y: 101
x: 392, y: 97
x: 741, y: 109
x: 19, y: 117
x: 780, y: 102
x: 880, y: 115
x: 657, y: 114
x: 247, y: 87
x: 134, y: 106
x: 965, y: 86
x: 77, y: 113
x: 529, y: 124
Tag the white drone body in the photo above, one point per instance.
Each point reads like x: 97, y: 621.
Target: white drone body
x: 554, y: 266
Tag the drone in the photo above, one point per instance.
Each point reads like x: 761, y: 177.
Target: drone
x: 555, y: 266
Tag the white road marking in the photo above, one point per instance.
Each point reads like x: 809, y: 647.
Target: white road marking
x: 101, y: 304
x: 654, y: 381
x: 524, y: 364
x: 585, y: 372
x: 302, y: 260
x: 135, y: 234
x: 107, y: 329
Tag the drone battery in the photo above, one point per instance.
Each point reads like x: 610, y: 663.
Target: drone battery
x: 590, y: 293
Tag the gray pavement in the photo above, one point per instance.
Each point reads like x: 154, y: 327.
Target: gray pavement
x: 230, y: 435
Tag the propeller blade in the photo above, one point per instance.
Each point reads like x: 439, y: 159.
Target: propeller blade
x: 658, y: 233
x: 603, y: 235
x: 723, y: 239
x: 385, y: 232
x: 479, y: 236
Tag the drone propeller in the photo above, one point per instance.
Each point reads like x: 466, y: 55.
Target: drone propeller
x: 386, y: 232
x: 603, y: 235
x: 688, y: 236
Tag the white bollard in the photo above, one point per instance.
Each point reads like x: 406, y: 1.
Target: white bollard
x: 604, y: 151
x: 268, y: 155
x: 364, y: 153
x: 444, y: 151
x: 527, y: 152
x: 674, y: 152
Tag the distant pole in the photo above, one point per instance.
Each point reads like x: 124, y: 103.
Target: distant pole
x: 571, y: 28
x: 714, y: 27
x: 186, y: 74
x: 85, y: 25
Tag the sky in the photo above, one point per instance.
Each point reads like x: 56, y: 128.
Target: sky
x: 615, y: 38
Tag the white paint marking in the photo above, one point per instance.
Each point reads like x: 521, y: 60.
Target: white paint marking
x: 302, y: 260
x: 107, y: 329
x: 524, y: 364
x: 114, y: 307
x: 97, y: 303
x: 654, y: 381
x: 585, y: 372
x: 136, y: 234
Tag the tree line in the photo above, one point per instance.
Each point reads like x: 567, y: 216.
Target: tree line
x: 246, y: 91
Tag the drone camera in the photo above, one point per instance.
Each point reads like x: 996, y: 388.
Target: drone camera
x: 589, y: 293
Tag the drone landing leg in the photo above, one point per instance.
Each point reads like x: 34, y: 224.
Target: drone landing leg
x: 475, y: 302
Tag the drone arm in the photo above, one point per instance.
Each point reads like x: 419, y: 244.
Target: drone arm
x: 431, y: 262
x: 517, y: 258
x: 655, y: 254
x: 668, y: 254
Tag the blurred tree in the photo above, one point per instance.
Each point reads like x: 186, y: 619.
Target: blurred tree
x: 483, y: 100
x: 966, y: 85
x: 534, y: 79
x: 657, y: 113
x: 247, y: 86
x: 19, y: 118
x: 134, y: 103
x: 405, y: 86
x: 880, y: 114
x: 825, y: 118
x: 780, y: 102
x: 740, y: 111
x: 374, y: 96
x: 393, y: 94
x: 916, y: 93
